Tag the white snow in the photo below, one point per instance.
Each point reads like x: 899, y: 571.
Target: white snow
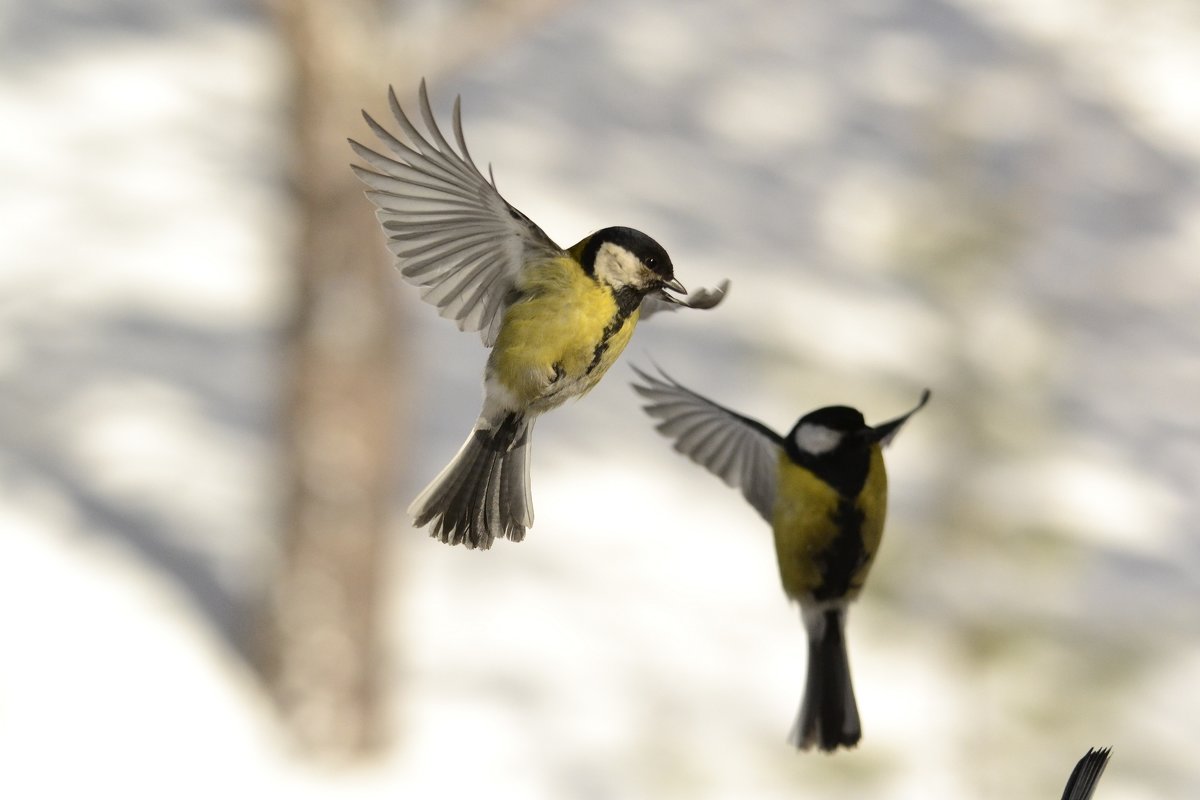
x: 997, y: 200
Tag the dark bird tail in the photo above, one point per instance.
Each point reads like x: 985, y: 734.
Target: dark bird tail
x: 483, y: 493
x: 828, y: 715
x: 1086, y: 775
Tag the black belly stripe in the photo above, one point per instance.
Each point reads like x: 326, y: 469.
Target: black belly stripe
x: 627, y: 301
x: 846, y: 554
x: 602, y: 345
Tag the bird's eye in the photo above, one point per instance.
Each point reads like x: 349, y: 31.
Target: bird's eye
x: 651, y: 262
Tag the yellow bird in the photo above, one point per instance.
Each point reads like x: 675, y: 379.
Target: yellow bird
x: 555, y: 319
x: 823, y: 490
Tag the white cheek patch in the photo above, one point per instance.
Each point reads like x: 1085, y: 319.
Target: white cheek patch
x: 618, y: 267
x: 817, y: 439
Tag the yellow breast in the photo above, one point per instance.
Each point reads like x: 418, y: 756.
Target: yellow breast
x: 552, y: 344
x: 808, y: 528
x: 872, y: 502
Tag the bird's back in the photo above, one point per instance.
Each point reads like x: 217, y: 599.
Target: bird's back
x: 825, y: 541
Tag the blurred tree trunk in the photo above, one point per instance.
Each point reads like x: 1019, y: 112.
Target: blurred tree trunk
x: 321, y: 640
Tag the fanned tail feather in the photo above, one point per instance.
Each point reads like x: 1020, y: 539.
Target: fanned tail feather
x: 483, y: 493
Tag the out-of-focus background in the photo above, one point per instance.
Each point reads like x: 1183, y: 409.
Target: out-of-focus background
x: 216, y: 398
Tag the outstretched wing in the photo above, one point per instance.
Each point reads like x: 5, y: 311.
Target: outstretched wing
x: 738, y: 450
x: 1086, y: 775
x: 702, y: 299
x: 452, y: 233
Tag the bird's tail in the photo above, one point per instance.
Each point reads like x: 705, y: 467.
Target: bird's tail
x: 1086, y: 774
x: 483, y: 493
x: 828, y: 715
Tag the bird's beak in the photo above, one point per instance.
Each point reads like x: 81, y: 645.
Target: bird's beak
x: 675, y: 286
x: 884, y: 433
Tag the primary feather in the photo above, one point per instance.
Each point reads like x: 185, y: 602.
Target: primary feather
x: 451, y: 232
x: 740, y: 451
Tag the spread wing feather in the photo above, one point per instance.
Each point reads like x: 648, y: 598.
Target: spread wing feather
x: 740, y: 451
x: 702, y: 299
x: 451, y: 232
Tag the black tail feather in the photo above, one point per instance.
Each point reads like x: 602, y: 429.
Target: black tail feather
x: 483, y: 493
x: 828, y: 714
x: 1086, y: 775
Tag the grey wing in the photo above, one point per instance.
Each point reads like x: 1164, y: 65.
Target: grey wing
x: 702, y: 299
x: 740, y: 451
x: 451, y: 232
x: 1086, y: 775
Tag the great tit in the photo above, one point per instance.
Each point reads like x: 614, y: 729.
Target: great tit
x: 823, y: 490
x: 1086, y: 774
x: 555, y: 319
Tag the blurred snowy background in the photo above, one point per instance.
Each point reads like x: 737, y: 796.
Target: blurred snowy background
x: 998, y: 199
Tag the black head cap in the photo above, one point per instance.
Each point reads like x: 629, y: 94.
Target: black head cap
x: 648, y: 251
x: 831, y: 443
x: 836, y: 418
